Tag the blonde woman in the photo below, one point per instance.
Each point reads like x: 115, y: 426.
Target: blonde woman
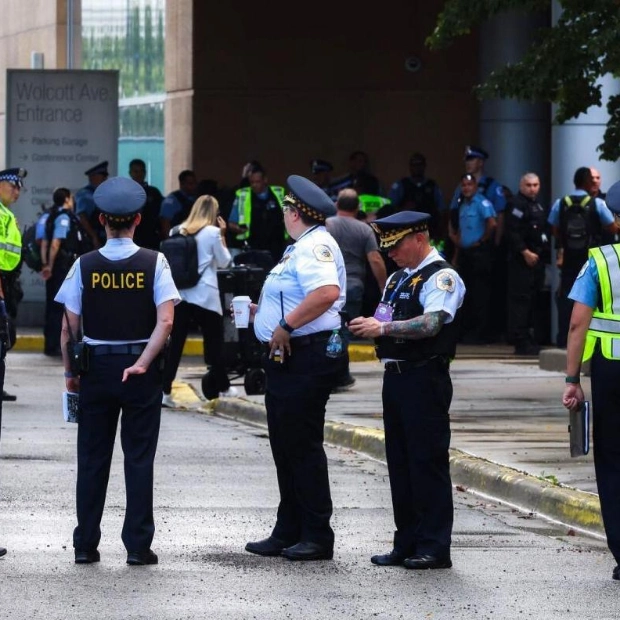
x: 201, y: 303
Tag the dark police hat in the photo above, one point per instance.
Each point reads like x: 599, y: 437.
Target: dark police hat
x: 309, y: 198
x: 393, y: 228
x: 100, y: 168
x: 475, y: 152
x: 417, y: 159
x: 120, y: 196
x: 320, y: 165
x: 14, y: 175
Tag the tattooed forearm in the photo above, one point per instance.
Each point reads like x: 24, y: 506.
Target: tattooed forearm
x: 423, y: 326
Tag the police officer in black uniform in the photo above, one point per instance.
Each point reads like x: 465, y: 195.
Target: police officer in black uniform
x: 415, y: 331
x: 125, y: 297
x: 528, y: 252
x: 297, y: 315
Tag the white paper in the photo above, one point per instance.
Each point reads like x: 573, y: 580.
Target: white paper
x: 70, y: 406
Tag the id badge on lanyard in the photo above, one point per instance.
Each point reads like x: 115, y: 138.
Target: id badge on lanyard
x: 384, y: 312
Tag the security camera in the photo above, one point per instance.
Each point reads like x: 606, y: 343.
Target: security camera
x: 413, y: 64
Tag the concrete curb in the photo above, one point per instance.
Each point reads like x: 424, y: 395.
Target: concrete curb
x: 572, y: 507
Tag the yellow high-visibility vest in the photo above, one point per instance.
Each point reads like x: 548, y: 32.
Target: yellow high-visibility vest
x: 605, y: 323
x: 244, y: 202
x: 10, y: 240
x: 370, y: 203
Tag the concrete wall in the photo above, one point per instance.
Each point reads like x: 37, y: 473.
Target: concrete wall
x: 31, y: 26
x: 282, y: 89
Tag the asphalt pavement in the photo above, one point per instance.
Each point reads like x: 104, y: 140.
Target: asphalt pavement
x: 216, y: 488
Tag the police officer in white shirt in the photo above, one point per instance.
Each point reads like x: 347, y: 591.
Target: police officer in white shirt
x: 124, y: 295
x: 297, y: 313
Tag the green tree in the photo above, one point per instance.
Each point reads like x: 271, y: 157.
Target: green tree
x: 563, y: 65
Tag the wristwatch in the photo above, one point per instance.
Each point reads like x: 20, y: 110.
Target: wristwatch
x: 285, y: 326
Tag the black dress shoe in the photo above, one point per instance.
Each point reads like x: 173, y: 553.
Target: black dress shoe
x: 615, y: 575
x: 393, y: 558
x: 2, y: 551
x: 6, y: 397
x: 308, y: 551
x: 423, y: 562
x: 142, y: 558
x: 268, y: 546
x: 87, y: 557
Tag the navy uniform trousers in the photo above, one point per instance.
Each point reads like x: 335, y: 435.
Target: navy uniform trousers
x: 102, y: 396
x: 417, y: 439
x: 605, y: 380
x: 296, y: 395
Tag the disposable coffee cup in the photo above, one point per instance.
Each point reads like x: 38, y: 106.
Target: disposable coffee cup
x: 241, y: 310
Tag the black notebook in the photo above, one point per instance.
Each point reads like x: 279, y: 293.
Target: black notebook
x: 579, y: 429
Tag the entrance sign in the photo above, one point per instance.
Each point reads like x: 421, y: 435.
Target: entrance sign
x: 59, y: 123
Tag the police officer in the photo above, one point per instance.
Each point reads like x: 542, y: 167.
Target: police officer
x: 594, y: 335
x: 85, y: 207
x: 298, y: 312
x: 528, y: 251
x: 147, y: 234
x: 419, y: 193
x: 415, y: 334
x: 176, y: 206
x: 578, y: 221
x: 125, y: 298
x: 11, y: 181
x: 472, y: 223
x: 256, y: 215
x: 59, y: 249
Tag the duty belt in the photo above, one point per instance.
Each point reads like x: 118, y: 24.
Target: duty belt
x: 304, y: 341
x: 401, y: 366
x: 117, y: 349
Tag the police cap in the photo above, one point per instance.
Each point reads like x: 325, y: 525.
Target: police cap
x: 14, y: 175
x: 390, y: 230
x: 475, y: 152
x: 100, y: 168
x: 320, y: 165
x: 309, y: 198
x: 120, y: 196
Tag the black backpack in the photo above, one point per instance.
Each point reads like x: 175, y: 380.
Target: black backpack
x: 579, y: 223
x: 181, y: 252
x: 31, y: 250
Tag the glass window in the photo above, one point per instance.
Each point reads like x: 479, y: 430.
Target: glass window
x: 128, y: 35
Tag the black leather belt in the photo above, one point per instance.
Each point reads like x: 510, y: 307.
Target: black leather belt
x: 117, y: 349
x: 304, y: 341
x: 399, y: 367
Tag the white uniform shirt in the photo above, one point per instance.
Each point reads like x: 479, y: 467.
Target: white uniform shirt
x: 314, y: 260
x: 70, y: 292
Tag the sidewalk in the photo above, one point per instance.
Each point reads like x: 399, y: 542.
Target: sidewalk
x: 509, y: 429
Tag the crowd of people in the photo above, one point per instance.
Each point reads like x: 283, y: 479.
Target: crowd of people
x: 431, y: 264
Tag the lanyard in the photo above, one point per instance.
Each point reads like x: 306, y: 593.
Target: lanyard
x: 400, y: 284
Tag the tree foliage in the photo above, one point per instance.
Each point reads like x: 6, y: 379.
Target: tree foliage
x: 563, y: 65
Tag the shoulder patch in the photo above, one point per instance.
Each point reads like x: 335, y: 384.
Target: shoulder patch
x: 500, y: 191
x: 445, y: 281
x: 582, y: 270
x: 323, y: 253
x: 487, y: 203
x: 72, y: 270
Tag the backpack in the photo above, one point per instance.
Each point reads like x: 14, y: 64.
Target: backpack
x: 77, y: 241
x: 578, y: 222
x: 181, y: 252
x: 31, y: 249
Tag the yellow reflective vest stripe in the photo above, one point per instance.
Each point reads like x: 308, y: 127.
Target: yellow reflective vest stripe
x: 10, y: 240
x: 370, y: 203
x: 605, y: 324
x: 244, y: 205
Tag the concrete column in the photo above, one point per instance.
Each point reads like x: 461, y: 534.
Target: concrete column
x: 179, y: 106
x: 515, y: 134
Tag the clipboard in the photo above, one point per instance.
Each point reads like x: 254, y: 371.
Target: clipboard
x: 579, y: 429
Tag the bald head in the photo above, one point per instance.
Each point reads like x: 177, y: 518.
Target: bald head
x: 348, y: 201
x: 529, y: 185
x: 596, y: 182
